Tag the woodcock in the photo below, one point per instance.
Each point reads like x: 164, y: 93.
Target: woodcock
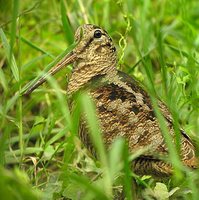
x: 123, y: 107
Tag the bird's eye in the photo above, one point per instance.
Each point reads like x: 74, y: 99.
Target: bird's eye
x: 97, y: 34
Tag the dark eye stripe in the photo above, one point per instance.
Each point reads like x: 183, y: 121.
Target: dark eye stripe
x: 107, y: 36
x: 88, y: 43
x: 113, y: 49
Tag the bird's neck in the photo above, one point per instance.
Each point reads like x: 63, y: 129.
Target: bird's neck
x: 84, y: 72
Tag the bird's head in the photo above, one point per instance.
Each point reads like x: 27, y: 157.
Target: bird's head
x: 94, y: 45
x: 94, y: 54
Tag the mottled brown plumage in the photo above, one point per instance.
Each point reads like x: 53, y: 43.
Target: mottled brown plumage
x: 123, y: 107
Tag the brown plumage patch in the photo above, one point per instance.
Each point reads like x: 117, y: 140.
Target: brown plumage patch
x: 124, y: 108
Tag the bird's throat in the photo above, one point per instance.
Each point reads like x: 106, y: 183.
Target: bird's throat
x: 83, y: 73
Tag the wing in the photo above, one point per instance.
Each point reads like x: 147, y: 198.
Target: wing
x: 125, y: 110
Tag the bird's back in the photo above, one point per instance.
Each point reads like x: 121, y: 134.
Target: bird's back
x: 125, y: 110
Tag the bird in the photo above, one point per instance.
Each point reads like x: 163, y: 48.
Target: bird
x: 123, y: 106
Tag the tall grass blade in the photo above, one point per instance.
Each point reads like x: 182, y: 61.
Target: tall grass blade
x: 3, y: 80
x: 12, y: 61
x: 128, y: 179
x: 13, y: 26
x: 34, y: 46
x: 68, y: 33
x: 50, y: 65
x: 95, y: 133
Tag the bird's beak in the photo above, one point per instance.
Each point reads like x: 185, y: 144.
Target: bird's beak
x: 68, y: 59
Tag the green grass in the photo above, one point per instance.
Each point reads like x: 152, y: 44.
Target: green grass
x: 40, y: 154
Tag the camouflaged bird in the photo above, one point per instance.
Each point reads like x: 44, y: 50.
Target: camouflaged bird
x: 123, y: 107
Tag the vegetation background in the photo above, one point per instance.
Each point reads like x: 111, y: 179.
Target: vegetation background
x: 40, y: 154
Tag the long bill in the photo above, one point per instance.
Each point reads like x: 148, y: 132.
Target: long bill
x: 68, y: 59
